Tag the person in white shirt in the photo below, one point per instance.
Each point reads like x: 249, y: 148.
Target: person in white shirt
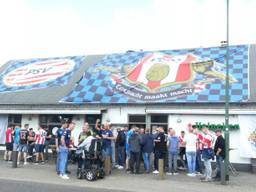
x: 190, y: 141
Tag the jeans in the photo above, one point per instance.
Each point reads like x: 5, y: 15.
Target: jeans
x: 113, y: 152
x: 146, y: 159
x: 63, y: 153
x: 135, y: 160
x: 208, y: 168
x: 58, y: 162
x: 107, y: 152
x: 172, y: 162
x: 30, y: 149
x: 191, y: 160
x: 80, y: 162
x: 46, y: 150
x: 158, y: 155
x: 199, y: 161
x: 120, y: 150
x: 219, y: 160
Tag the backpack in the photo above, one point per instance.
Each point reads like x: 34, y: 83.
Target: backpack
x: 95, y: 147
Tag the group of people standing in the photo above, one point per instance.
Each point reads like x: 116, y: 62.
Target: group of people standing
x: 25, y: 141
x: 193, y: 150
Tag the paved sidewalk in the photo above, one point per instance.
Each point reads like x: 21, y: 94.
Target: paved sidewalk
x: 119, y: 180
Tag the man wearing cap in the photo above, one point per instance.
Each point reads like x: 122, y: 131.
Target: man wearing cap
x: 219, y: 150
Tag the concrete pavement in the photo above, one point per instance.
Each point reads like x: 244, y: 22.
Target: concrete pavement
x: 120, y: 181
x: 11, y: 186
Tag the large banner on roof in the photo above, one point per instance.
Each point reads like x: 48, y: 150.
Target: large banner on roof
x: 30, y: 74
x: 188, y: 75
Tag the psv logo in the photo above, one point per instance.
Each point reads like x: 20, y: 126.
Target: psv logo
x: 159, y: 70
x: 38, y: 72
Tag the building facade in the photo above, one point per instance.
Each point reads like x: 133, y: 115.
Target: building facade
x: 169, y: 88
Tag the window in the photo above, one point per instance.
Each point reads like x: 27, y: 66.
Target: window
x: 138, y: 120
x: 51, y: 121
x: 14, y: 119
x: 159, y: 120
x: 91, y: 119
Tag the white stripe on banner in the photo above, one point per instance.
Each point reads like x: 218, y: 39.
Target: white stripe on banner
x: 3, y: 126
x: 247, y: 132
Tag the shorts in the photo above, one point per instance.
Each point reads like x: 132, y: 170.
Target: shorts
x: 39, y: 148
x: 23, y: 148
x: 15, y: 147
x: 9, y: 146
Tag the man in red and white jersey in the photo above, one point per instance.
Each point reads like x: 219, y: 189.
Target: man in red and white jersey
x: 8, y: 143
x: 199, y: 148
x: 40, y: 137
x: 207, y: 154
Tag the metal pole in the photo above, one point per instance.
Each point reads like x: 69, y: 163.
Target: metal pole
x: 14, y: 158
x: 226, y: 161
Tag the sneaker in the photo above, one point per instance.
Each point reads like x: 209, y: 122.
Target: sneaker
x: 191, y: 175
x: 25, y: 163
x: 206, y: 180
x: 64, y: 177
x: 18, y: 163
x: 42, y: 162
x: 175, y: 173
x: 181, y: 168
x: 168, y: 173
x: 28, y: 157
x: 116, y: 166
x: 36, y: 163
x: 155, y: 172
x: 198, y: 173
x: 120, y: 167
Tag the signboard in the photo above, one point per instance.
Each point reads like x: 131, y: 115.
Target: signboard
x: 215, y: 126
x: 188, y: 75
x: 39, y: 73
x: 247, y: 136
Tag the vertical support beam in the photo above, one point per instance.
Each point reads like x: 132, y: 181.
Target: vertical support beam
x: 107, y: 165
x: 14, y: 159
x: 161, y: 168
x: 148, y: 121
x: 227, y: 98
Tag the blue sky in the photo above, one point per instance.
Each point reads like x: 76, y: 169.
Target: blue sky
x: 36, y: 28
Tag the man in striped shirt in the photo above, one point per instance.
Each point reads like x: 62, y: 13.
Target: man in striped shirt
x: 207, y: 154
x: 8, y: 143
x: 40, y: 137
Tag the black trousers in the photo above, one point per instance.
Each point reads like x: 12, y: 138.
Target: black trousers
x: 158, y: 155
x: 135, y: 161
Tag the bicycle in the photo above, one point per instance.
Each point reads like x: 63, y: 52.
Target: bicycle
x: 231, y: 168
